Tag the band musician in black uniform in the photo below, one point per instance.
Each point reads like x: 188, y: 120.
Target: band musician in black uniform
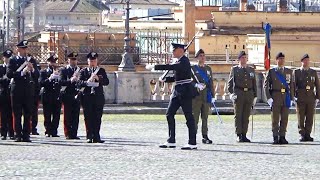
x: 6, y: 121
x: 92, y: 80
x: 69, y: 76
x: 50, y: 96
x: 23, y: 72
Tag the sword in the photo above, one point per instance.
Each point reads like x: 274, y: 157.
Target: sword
x: 252, y: 108
x: 314, y: 120
x: 215, y: 107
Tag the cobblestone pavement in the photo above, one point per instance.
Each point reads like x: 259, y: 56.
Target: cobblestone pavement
x: 131, y: 152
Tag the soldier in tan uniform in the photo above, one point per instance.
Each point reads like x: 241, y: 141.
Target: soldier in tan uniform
x: 278, y: 87
x: 307, y: 95
x: 243, y: 89
x: 202, y: 102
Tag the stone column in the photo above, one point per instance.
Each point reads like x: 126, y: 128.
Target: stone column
x: 188, y: 21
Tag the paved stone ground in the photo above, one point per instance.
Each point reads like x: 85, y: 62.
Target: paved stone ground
x: 131, y: 152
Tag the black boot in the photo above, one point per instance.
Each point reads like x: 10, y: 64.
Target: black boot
x: 282, y: 140
x: 206, y: 140
x: 245, y: 139
x: 239, y: 138
x: 308, y: 138
x: 275, y: 140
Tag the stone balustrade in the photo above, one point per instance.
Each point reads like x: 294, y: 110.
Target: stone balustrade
x: 144, y: 87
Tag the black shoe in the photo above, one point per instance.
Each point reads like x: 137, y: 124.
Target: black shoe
x: 206, y: 140
x: 11, y: 138
x: 35, y: 133
x: 98, y: 141
x: 282, y: 140
x: 3, y: 138
x: 308, y: 138
x: 26, y: 139
x: 245, y: 139
x: 18, y: 139
x: 76, y: 137
x: 239, y: 138
x: 89, y: 141
x: 55, y: 135
x: 302, y: 138
x: 275, y: 140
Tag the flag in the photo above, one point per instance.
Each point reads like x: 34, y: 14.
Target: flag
x: 267, y: 48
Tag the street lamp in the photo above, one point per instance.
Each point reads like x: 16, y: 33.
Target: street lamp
x: 127, y: 62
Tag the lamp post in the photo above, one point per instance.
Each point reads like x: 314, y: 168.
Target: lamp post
x: 127, y: 62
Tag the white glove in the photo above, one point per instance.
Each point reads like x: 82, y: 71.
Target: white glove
x: 24, y: 71
x: 270, y: 101
x: 200, y: 86
x: 233, y: 97
x: 254, y: 101
x: 292, y: 102
x: 161, y: 80
x: 316, y: 103
x: 149, y: 67
x: 213, y: 100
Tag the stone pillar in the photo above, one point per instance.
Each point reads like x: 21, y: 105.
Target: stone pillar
x: 128, y: 87
x: 243, y: 5
x: 188, y: 31
x: 226, y: 95
x: 282, y: 6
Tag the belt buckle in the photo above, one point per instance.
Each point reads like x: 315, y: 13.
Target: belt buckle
x: 283, y: 90
x: 308, y: 87
x: 245, y: 89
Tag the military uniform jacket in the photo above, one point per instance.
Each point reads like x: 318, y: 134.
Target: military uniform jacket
x: 208, y: 71
x: 85, y: 74
x: 275, y: 89
x: 306, y: 85
x: 242, y: 80
x: 50, y: 89
x: 182, y: 71
x: 4, y: 82
x: 25, y: 83
x: 66, y: 73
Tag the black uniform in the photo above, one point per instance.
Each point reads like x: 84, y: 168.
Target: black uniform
x: 6, y: 121
x: 92, y: 101
x: 35, y: 107
x: 22, y: 93
x: 182, y: 96
x: 51, y: 101
x: 71, y: 106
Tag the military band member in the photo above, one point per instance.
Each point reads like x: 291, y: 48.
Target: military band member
x: 6, y: 121
x: 50, y: 96
x: 181, y: 97
x: 243, y: 89
x: 35, y: 107
x: 69, y: 76
x: 279, y: 90
x: 92, y: 79
x: 202, y: 102
x: 307, y: 95
x: 23, y: 71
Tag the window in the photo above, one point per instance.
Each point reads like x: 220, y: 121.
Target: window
x: 59, y: 18
x: 235, y: 46
x: 243, y: 46
x: 65, y: 18
x: 52, y: 17
x: 78, y: 18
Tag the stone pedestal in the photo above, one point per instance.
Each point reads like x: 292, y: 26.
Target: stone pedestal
x: 128, y: 87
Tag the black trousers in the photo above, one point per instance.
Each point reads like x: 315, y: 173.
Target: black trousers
x: 51, y: 113
x: 71, y: 112
x: 6, y: 121
x: 22, y: 104
x: 34, y: 113
x: 92, y: 110
x: 186, y: 105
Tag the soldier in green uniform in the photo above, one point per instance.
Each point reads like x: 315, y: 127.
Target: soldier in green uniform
x: 278, y: 87
x: 202, y: 102
x: 243, y: 89
x: 307, y: 95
